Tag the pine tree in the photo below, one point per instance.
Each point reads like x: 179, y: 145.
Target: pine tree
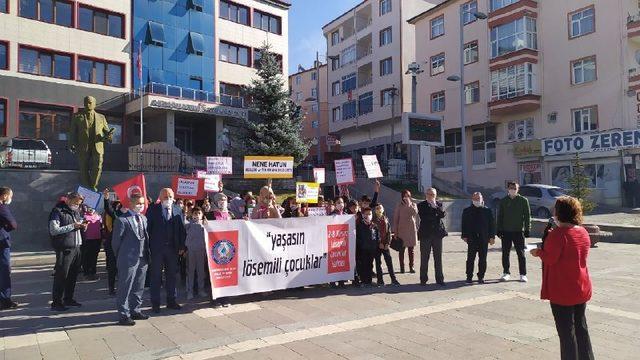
x: 579, y: 183
x: 275, y: 126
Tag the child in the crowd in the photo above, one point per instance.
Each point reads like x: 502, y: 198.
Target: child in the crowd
x: 329, y: 207
x: 91, y: 244
x: 339, y: 207
x: 291, y: 208
x: 382, y: 222
x: 367, y: 241
x: 196, y: 251
x: 221, y: 207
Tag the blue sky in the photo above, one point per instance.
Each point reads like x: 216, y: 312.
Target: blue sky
x: 306, y: 18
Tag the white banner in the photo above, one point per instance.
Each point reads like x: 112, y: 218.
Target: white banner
x: 372, y: 166
x: 345, y: 174
x: 319, y: 175
x: 219, y: 165
x: 255, y: 256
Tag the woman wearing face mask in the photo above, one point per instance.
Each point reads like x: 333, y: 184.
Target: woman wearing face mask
x: 266, y: 207
x: 382, y: 222
x: 291, y: 208
x: 91, y: 243
x: 196, y: 251
x: 7, y: 224
x: 220, y: 211
x: 405, y: 219
x: 339, y: 207
x: 237, y: 207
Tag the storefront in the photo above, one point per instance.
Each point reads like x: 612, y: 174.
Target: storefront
x: 528, y: 155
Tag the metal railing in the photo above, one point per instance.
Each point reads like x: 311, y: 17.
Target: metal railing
x: 366, y: 81
x: 364, y: 54
x: 159, y: 160
x: 192, y: 94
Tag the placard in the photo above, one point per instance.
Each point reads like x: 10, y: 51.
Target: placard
x: 317, y: 211
x: 212, y: 183
x: 372, y: 166
x: 219, y: 165
x: 188, y: 188
x: 319, y: 175
x: 91, y: 198
x: 307, y: 192
x: 345, y: 174
x: 268, y: 167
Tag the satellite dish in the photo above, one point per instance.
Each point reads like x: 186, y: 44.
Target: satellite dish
x: 638, y: 57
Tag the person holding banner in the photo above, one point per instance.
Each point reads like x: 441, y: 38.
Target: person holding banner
x: 196, y: 251
x: 267, y: 208
x: 381, y: 220
x: 405, y: 218
x: 130, y: 243
x: 431, y: 233
x: 367, y: 242
x: 167, y: 243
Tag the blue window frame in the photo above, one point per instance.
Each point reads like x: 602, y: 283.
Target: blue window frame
x: 4, y: 7
x: 58, y: 12
x: 45, y: 63
x: 196, y: 4
x: 349, y: 110
x: 156, y: 34
x: 4, y: 56
x: 365, y: 103
x: 348, y: 82
x: 196, y: 43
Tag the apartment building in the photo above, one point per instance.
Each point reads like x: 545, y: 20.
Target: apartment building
x: 538, y: 74
x: 308, y: 88
x: 368, y: 50
x: 52, y: 54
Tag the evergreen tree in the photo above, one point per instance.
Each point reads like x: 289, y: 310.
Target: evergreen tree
x: 275, y: 126
x: 579, y: 183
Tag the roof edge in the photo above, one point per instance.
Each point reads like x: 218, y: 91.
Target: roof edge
x: 420, y: 16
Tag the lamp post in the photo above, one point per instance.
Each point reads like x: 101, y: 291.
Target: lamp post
x: 460, y: 78
x: 425, y: 151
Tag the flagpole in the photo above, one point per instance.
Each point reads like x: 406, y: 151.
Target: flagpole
x: 141, y: 94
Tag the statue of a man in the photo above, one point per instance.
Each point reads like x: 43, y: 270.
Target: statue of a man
x: 87, y: 134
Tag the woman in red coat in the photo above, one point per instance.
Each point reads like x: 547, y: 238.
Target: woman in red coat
x: 565, y: 278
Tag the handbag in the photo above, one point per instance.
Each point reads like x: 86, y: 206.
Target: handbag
x: 396, y: 243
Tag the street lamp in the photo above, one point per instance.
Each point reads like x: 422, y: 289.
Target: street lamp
x: 460, y: 78
x: 425, y: 151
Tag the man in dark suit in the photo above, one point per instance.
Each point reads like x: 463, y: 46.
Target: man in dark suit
x: 478, y: 231
x: 130, y: 243
x: 166, y: 239
x: 7, y: 224
x: 430, y: 234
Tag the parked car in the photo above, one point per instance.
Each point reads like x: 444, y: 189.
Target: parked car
x: 25, y: 153
x: 542, y: 198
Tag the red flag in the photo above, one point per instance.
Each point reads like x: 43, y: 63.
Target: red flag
x: 134, y: 185
x: 350, y: 95
x: 139, y: 62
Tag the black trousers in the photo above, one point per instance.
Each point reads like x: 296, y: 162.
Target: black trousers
x: 575, y: 343
x: 480, y: 247
x: 112, y: 268
x: 387, y: 260
x: 426, y: 245
x: 90, y: 250
x: 364, y: 266
x: 66, y: 273
x: 517, y: 240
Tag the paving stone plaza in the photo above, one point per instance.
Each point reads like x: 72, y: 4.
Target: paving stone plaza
x: 491, y: 321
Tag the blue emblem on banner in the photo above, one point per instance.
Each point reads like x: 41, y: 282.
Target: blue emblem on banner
x: 223, y: 252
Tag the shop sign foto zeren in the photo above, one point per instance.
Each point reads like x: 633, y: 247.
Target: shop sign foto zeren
x: 606, y: 141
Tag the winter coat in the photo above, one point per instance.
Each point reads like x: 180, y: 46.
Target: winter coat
x: 405, y: 224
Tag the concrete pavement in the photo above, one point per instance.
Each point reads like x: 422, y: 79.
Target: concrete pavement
x: 491, y: 321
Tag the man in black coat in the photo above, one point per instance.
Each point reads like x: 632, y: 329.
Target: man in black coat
x: 367, y: 240
x: 430, y: 234
x: 478, y: 231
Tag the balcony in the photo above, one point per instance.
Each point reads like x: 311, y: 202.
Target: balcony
x: 633, y: 27
x: 365, y: 75
x: 180, y: 92
x: 634, y: 79
x: 348, y: 29
x: 363, y: 18
x: 364, y: 47
x: 516, y: 9
x: 519, y: 103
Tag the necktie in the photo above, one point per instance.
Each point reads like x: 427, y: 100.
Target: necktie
x: 140, y: 227
x: 166, y: 213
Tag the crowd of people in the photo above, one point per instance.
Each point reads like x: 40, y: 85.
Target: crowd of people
x: 169, y: 239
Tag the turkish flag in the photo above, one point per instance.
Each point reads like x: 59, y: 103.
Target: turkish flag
x: 134, y: 185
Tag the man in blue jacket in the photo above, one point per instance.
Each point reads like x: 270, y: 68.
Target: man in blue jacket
x: 7, y: 224
x: 166, y: 241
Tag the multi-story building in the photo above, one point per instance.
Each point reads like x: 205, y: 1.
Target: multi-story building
x: 195, y: 56
x: 52, y: 54
x: 308, y: 89
x: 534, y: 71
x: 368, y: 50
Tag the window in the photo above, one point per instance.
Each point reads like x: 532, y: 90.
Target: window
x: 585, y: 119
x: 437, y: 64
x: 196, y: 43
x: 582, y: 22
x: 196, y: 5
x: 437, y: 102
x: 101, y: 22
x: 484, y: 145
x: 298, y: 79
x: 386, y: 36
x: 299, y: 96
x: 468, y: 11
x: 348, y: 55
x: 386, y: 66
x: 437, y: 27
x: 52, y: 11
x: 365, y: 103
x: 43, y: 122
x: 335, y: 37
x: 520, y: 130
x: 4, y: 7
x: 386, y: 97
x: 349, y: 110
x: 472, y: 93
x: 3, y: 117
x: 335, y: 113
x: 512, y: 81
x: 470, y: 52
x: 195, y: 83
x: 235, y: 54
x: 314, y: 76
x: 257, y: 58
x: 498, y: 4
x: 335, y: 88
x: 267, y: 22
x: 314, y: 108
x: 156, y: 34
x: 450, y: 155
x: 43, y: 62
x: 583, y: 70
x: 234, y: 12
x: 348, y: 82
x: 4, y: 56
x: 385, y: 7
x: 100, y: 72
x: 513, y: 36
x: 335, y: 63
x: 231, y: 89
x: 314, y: 93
